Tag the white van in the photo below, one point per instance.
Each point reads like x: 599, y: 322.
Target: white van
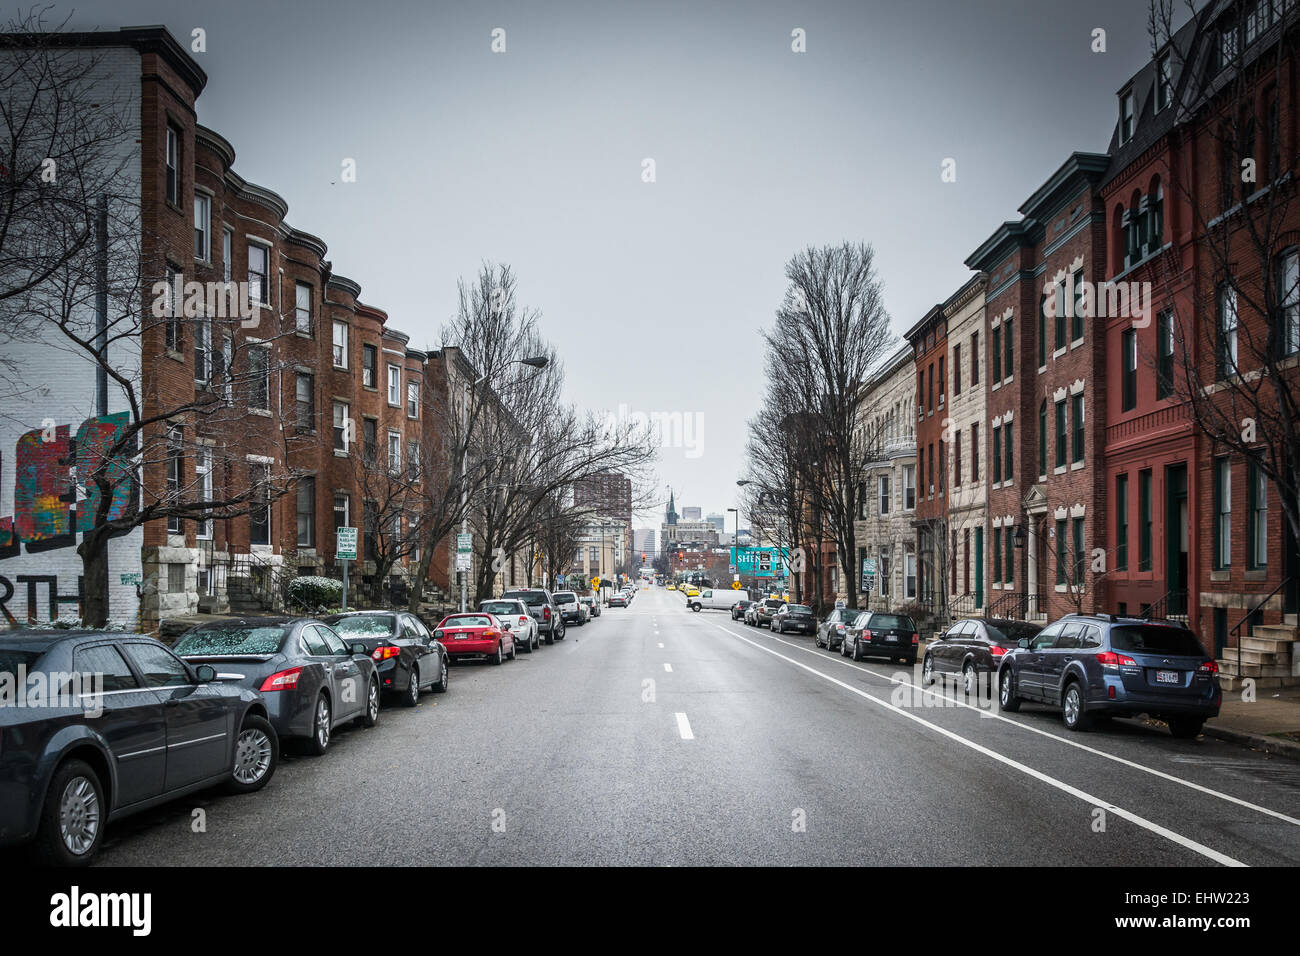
x: 717, y: 599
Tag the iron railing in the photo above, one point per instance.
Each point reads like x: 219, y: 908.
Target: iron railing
x: 1251, y: 613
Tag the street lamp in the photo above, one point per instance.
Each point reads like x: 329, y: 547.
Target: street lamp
x: 535, y: 361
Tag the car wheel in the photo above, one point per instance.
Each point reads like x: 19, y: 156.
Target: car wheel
x: 440, y: 685
x: 72, y: 820
x: 1073, y: 708
x: 1007, y: 699
x: 370, y: 716
x: 968, y: 679
x: 1186, y: 728
x: 528, y: 645
x: 927, y: 671
x: 560, y: 634
x: 257, y: 751
x: 514, y: 650
x: 857, y: 651
x: 550, y: 636
x: 320, y: 736
x: 412, y: 695
x: 497, y: 658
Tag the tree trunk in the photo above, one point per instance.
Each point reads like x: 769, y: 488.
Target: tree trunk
x: 94, y: 562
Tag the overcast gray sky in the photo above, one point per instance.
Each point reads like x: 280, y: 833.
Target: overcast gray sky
x: 655, y: 292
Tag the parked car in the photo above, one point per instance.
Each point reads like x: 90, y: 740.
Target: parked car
x: 717, y: 599
x: 311, y: 680
x: 541, y: 606
x: 408, y: 659
x: 145, y: 727
x: 877, y: 634
x: 692, y: 591
x: 480, y: 636
x: 794, y: 617
x: 738, y: 609
x: 591, y: 604
x: 766, y: 610
x: 513, y: 613
x: 750, y: 615
x: 830, y: 632
x: 570, y: 609
x: 973, y: 649
x: 1103, y: 665
x: 619, y: 599
x: 672, y: 587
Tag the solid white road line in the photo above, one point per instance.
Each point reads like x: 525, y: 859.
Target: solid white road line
x: 684, y: 727
x: 668, y: 667
x: 1086, y: 797
x: 952, y: 701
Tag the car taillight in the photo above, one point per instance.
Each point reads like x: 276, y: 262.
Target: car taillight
x: 997, y: 650
x: 1111, y: 659
x: 283, y: 680
x: 384, y: 652
x: 916, y: 638
x: 523, y: 619
x: 1209, y: 667
x: 866, y: 633
x: 491, y: 632
x: 546, y: 613
x: 840, y: 628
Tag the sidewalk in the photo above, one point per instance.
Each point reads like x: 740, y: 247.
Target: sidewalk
x: 1270, y: 723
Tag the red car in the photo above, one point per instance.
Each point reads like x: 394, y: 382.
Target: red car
x: 476, y: 635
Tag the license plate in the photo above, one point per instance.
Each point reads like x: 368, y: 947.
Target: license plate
x: 460, y: 637
x: 891, y: 638
x: 1169, y: 677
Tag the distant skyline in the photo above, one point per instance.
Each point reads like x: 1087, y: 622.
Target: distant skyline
x: 654, y: 292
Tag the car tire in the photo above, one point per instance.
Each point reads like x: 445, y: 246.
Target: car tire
x: 1074, y: 709
x: 497, y: 658
x: 322, y: 726
x: 257, y: 754
x: 560, y: 634
x: 1007, y: 699
x: 695, y: 608
x: 514, y: 650
x: 76, y: 784
x: 412, y: 695
x: 927, y: 671
x: 370, y: 716
x: 969, y: 679
x: 1186, y: 728
x: 528, y: 646
x: 440, y: 685
x: 857, y: 651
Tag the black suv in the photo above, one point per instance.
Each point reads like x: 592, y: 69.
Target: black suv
x: 1102, y: 665
x: 877, y: 634
x: 541, y: 605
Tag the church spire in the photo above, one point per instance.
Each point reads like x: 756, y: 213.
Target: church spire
x: 671, y: 513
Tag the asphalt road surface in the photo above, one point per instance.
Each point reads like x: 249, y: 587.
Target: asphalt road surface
x: 658, y: 736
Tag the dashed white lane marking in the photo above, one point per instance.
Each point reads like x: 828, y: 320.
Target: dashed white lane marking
x: 668, y: 667
x: 1061, y: 785
x: 950, y: 701
x: 684, y: 727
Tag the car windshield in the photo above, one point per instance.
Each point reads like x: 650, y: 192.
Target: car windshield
x: 531, y: 598
x: 1012, y: 631
x: 565, y: 597
x: 380, y: 625
x: 467, y: 620
x: 247, y: 639
x: 772, y: 603
x: 799, y: 610
x: 898, y: 621
x: 502, y: 607
x: 1155, y: 639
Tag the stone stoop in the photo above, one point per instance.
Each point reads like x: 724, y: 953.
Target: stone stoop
x: 1270, y: 656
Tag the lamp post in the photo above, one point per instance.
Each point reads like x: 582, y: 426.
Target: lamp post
x: 537, y: 362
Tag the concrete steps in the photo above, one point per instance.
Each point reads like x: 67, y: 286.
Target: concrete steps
x: 1270, y: 656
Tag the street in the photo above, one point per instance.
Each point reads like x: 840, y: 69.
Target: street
x: 656, y: 736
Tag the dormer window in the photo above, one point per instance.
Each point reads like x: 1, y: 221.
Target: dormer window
x: 1164, y: 82
x: 1125, y: 117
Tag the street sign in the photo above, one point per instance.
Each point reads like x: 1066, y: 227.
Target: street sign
x: 595, y: 583
x: 868, y: 575
x: 464, y: 552
x: 559, y: 579
x: 345, y: 544
x: 735, y: 585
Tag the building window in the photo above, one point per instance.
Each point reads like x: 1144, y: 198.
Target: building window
x: 974, y: 358
x: 920, y: 467
x: 965, y: 561
x: 342, y: 440
x: 930, y: 483
x: 1042, y: 438
x: 302, y: 308
x: 175, y: 475
x: 173, y: 161
x: 1164, y: 355
x: 1061, y: 434
x: 413, y: 459
x: 909, y: 575
x: 1222, y: 513
x: 1080, y: 557
x: 412, y: 400
x: 306, y: 512
x: 1007, y: 431
x: 259, y: 517
x: 369, y: 439
x: 997, y: 454
x: 943, y: 382
x: 203, y: 482
x: 1009, y: 543
x: 909, y: 487
x: 1077, y: 306
x: 974, y: 451
x: 956, y: 369
x: 1228, y: 44
x: 1008, y: 342
x: 1288, y: 307
x: 395, y: 386
x: 305, y: 399
x: 997, y: 354
x: 1257, y: 517
x: 1077, y: 410
x: 997, y: 554
x: 172, y: 310
x: 259, y: 285
x: 259, y: 377
x: 203, y: 370
x: 1164, y: 82
x: 202, y: 227
x: 956, y: 458
x: 1042, y: 332
x: 1125, y: 117
x: 340, y: 344
x: 395, y: 453
x: 342, y: 511
x: 1062, y: 550
x: 1226, y: 353
x: 1060, y: 317
x: 227, y: 378
x: 943, y: 465
x: 884, y: 493
x: 369, y: 366
x: 1121, y: 522
x: 1275, y: 170
x: 930, y: 389
x: 227, y: 254
x: 1144, y: 520
x: 1128, y: 378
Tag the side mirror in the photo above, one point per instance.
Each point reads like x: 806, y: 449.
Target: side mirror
x: 1023, y: 642
x: 206, y: 673
x: 505, y: 625
x: 359, y: 648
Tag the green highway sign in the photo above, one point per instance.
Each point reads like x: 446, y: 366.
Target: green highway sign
x: 761, y: 562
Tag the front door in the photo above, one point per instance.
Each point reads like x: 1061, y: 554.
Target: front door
x: 1176, y: 538
x: 129, y: 718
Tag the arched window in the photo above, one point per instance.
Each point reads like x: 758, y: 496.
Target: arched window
x: 1155, y: 230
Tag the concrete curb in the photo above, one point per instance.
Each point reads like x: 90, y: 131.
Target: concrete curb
x: 1272, y: 745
